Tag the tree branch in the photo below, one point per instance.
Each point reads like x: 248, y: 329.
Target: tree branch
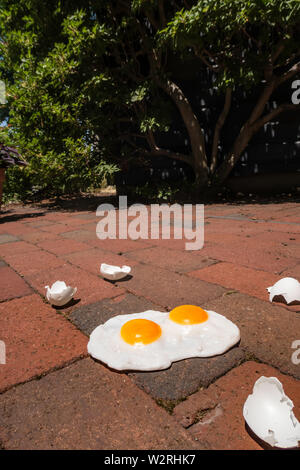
x: 168, y: 153
x: 129, y: 142
x: 219, y: 125
x: 214, y: 67
x: 132, y: 134
x: 277, y: 52
x: 289, y: 60
x: 152, y: 20
x: 275, y: 112
x: 289, y: 74
x: 155, y: 150
x: 262, y: 101
x: 162, y: 15
x: 255, y: 122
x: 257, y: 43
x: 192, y: 124
x: 243, y: 139
x: 273, y: 83
x: 151, y: 140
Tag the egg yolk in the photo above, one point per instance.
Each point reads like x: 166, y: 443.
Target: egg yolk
x: 140, y: 331
x: 188, y: 315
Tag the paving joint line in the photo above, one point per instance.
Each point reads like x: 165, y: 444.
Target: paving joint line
x: 17, y: 297
x: 45, y: 373
x: 173, y: 403
x: 27, y: 283
x: 267, y: 221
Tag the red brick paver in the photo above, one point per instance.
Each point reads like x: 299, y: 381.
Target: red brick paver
x: 38, y: 236
x: 246, y: 280
x: 250, y: 253
x: 292, y: 272
x: 61, y: 247
x: 215, y: 416
x: 169, y: 289
x: 16, y: 228
x: 16, y: 248
x: 86, y: 406
x: 90, y: 288
x: 120, y: 246
x: 174, y: 260
x: 37, y: 339
x: 79, y: 403
x: 267, y: 330
x: 12, y: 285
x: 33, y: 261
x: 79, y: 234
x: 91, y: 259
x: 56, y: 228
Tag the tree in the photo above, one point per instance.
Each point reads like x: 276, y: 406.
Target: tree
x: 252, y: 43
x: 58, y: 97
x: 94, y: 77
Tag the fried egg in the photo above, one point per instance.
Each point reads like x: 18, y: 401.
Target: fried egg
x: 152, y: 340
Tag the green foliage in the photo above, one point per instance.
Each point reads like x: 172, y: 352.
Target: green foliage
x: 138, y: 94
x: 236, y: 37
x: 51, y: 173
x: 164, y: 191
x: 81, y: 76
x: 54, y: 96
x: 151, y: 192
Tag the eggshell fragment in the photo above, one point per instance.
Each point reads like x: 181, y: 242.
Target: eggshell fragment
x: 287, y: 287
x: 59, y: 293
x: 268, y: 413
x: 114, y: 272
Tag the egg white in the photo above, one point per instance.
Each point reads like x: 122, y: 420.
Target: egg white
x: 107, y: 345
x: 177, y: 342
x: 214, y: 336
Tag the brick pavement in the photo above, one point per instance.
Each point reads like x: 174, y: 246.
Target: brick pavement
x: 54, y: 396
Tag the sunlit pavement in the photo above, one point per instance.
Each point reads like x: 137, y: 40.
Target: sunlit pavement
x: 54, y: 396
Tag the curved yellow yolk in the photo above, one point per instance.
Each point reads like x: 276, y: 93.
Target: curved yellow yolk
x: 140, y: 330
x: 188, y: 315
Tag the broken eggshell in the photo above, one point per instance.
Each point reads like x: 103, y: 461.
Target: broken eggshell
x: 268, y: 413
x: 59, y: 293
x: 287, y: 287
x: 114, y: 272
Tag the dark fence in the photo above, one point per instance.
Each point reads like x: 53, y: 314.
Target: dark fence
x: 274, y: 149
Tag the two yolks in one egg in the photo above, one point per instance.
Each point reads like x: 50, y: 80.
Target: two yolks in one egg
x: 143, y: 331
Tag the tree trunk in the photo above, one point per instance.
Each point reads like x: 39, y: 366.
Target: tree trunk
x: 233, y: 156
x: 219, y: 125
x: 194, y: 130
